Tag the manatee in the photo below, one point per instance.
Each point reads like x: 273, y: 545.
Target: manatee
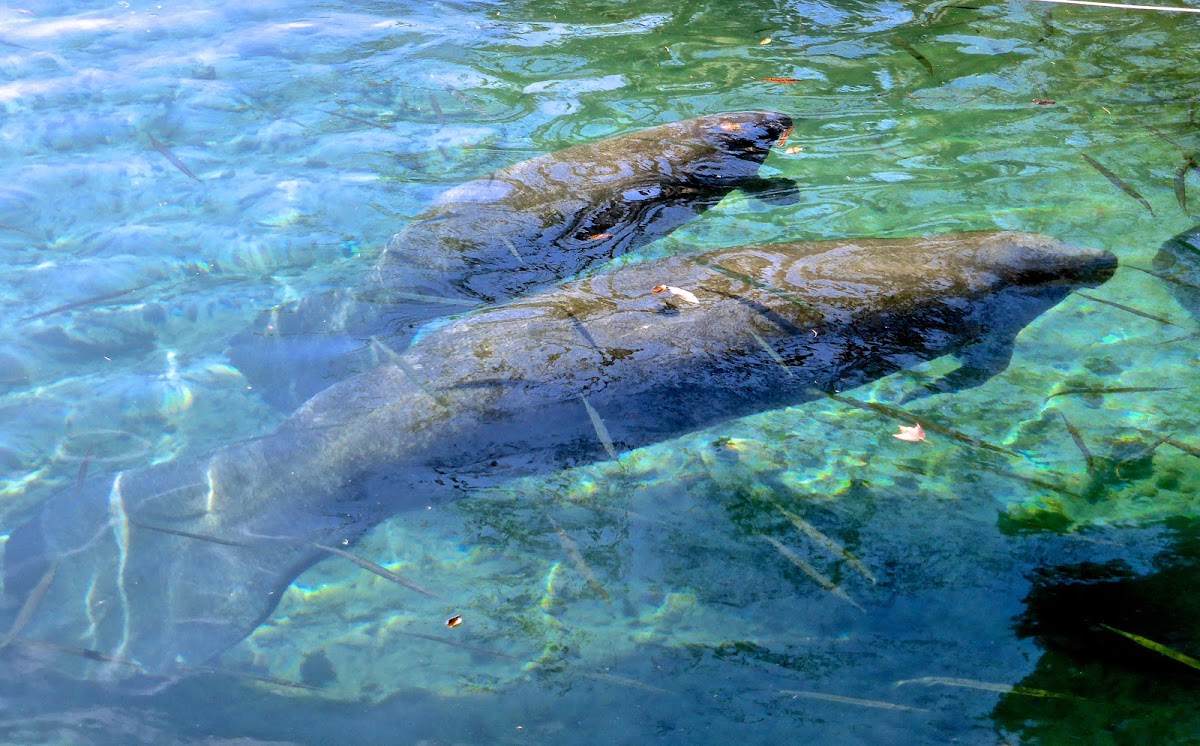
x: 498, y: 237
x: 1177, y: 262
x: 561, y: 378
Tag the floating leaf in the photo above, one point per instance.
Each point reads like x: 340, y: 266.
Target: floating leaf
x: 913, y: 434
x: 677, y: 292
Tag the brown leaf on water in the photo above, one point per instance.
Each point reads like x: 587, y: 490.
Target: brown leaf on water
x: 780, y: 80
x: 1042, y: 102
x: 912, y: 434
x: 906, y: 416
x: 686, y: 295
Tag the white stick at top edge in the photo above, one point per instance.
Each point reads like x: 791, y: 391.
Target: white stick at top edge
x: 1122, y: 5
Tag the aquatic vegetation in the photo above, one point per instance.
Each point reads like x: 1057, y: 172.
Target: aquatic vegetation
x: 1116, y: 181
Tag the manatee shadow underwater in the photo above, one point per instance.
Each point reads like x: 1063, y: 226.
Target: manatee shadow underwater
x: 1110, y: 636
x: 154, y: 569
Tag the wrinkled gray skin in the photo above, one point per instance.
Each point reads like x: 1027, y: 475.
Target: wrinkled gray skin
x: 499, y: 237
x: 498, y: 394
x: 1178, y: 263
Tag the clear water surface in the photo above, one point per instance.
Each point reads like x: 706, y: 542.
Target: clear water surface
x: 313, y: 130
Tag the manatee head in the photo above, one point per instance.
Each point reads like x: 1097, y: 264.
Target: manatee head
x: 943, y: 294
x: 1034, y: 261
x: 747, y: 136
x: 955, y: 267
x: 1015, y: 277
x: 750, y: 134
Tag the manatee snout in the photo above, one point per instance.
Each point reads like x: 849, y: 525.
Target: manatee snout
x: 1033, y: 260
x: 747, y: 132
x: 1079, y: 266
x: 729, y: 148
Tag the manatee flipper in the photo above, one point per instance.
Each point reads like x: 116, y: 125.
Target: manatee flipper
x: 290, y: 352
x: 298, y: 349
x: 777, y: 190
x: 979, y: 363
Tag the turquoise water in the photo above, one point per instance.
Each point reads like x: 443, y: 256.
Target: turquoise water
x: 313, y: 132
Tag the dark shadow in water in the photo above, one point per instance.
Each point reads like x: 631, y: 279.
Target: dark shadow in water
x: 1120, y: 691
x: 717, y: 690
x: 1177, y: 263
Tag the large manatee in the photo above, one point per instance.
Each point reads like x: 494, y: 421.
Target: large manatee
x: 517, y: 389
x: 498, y: 237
